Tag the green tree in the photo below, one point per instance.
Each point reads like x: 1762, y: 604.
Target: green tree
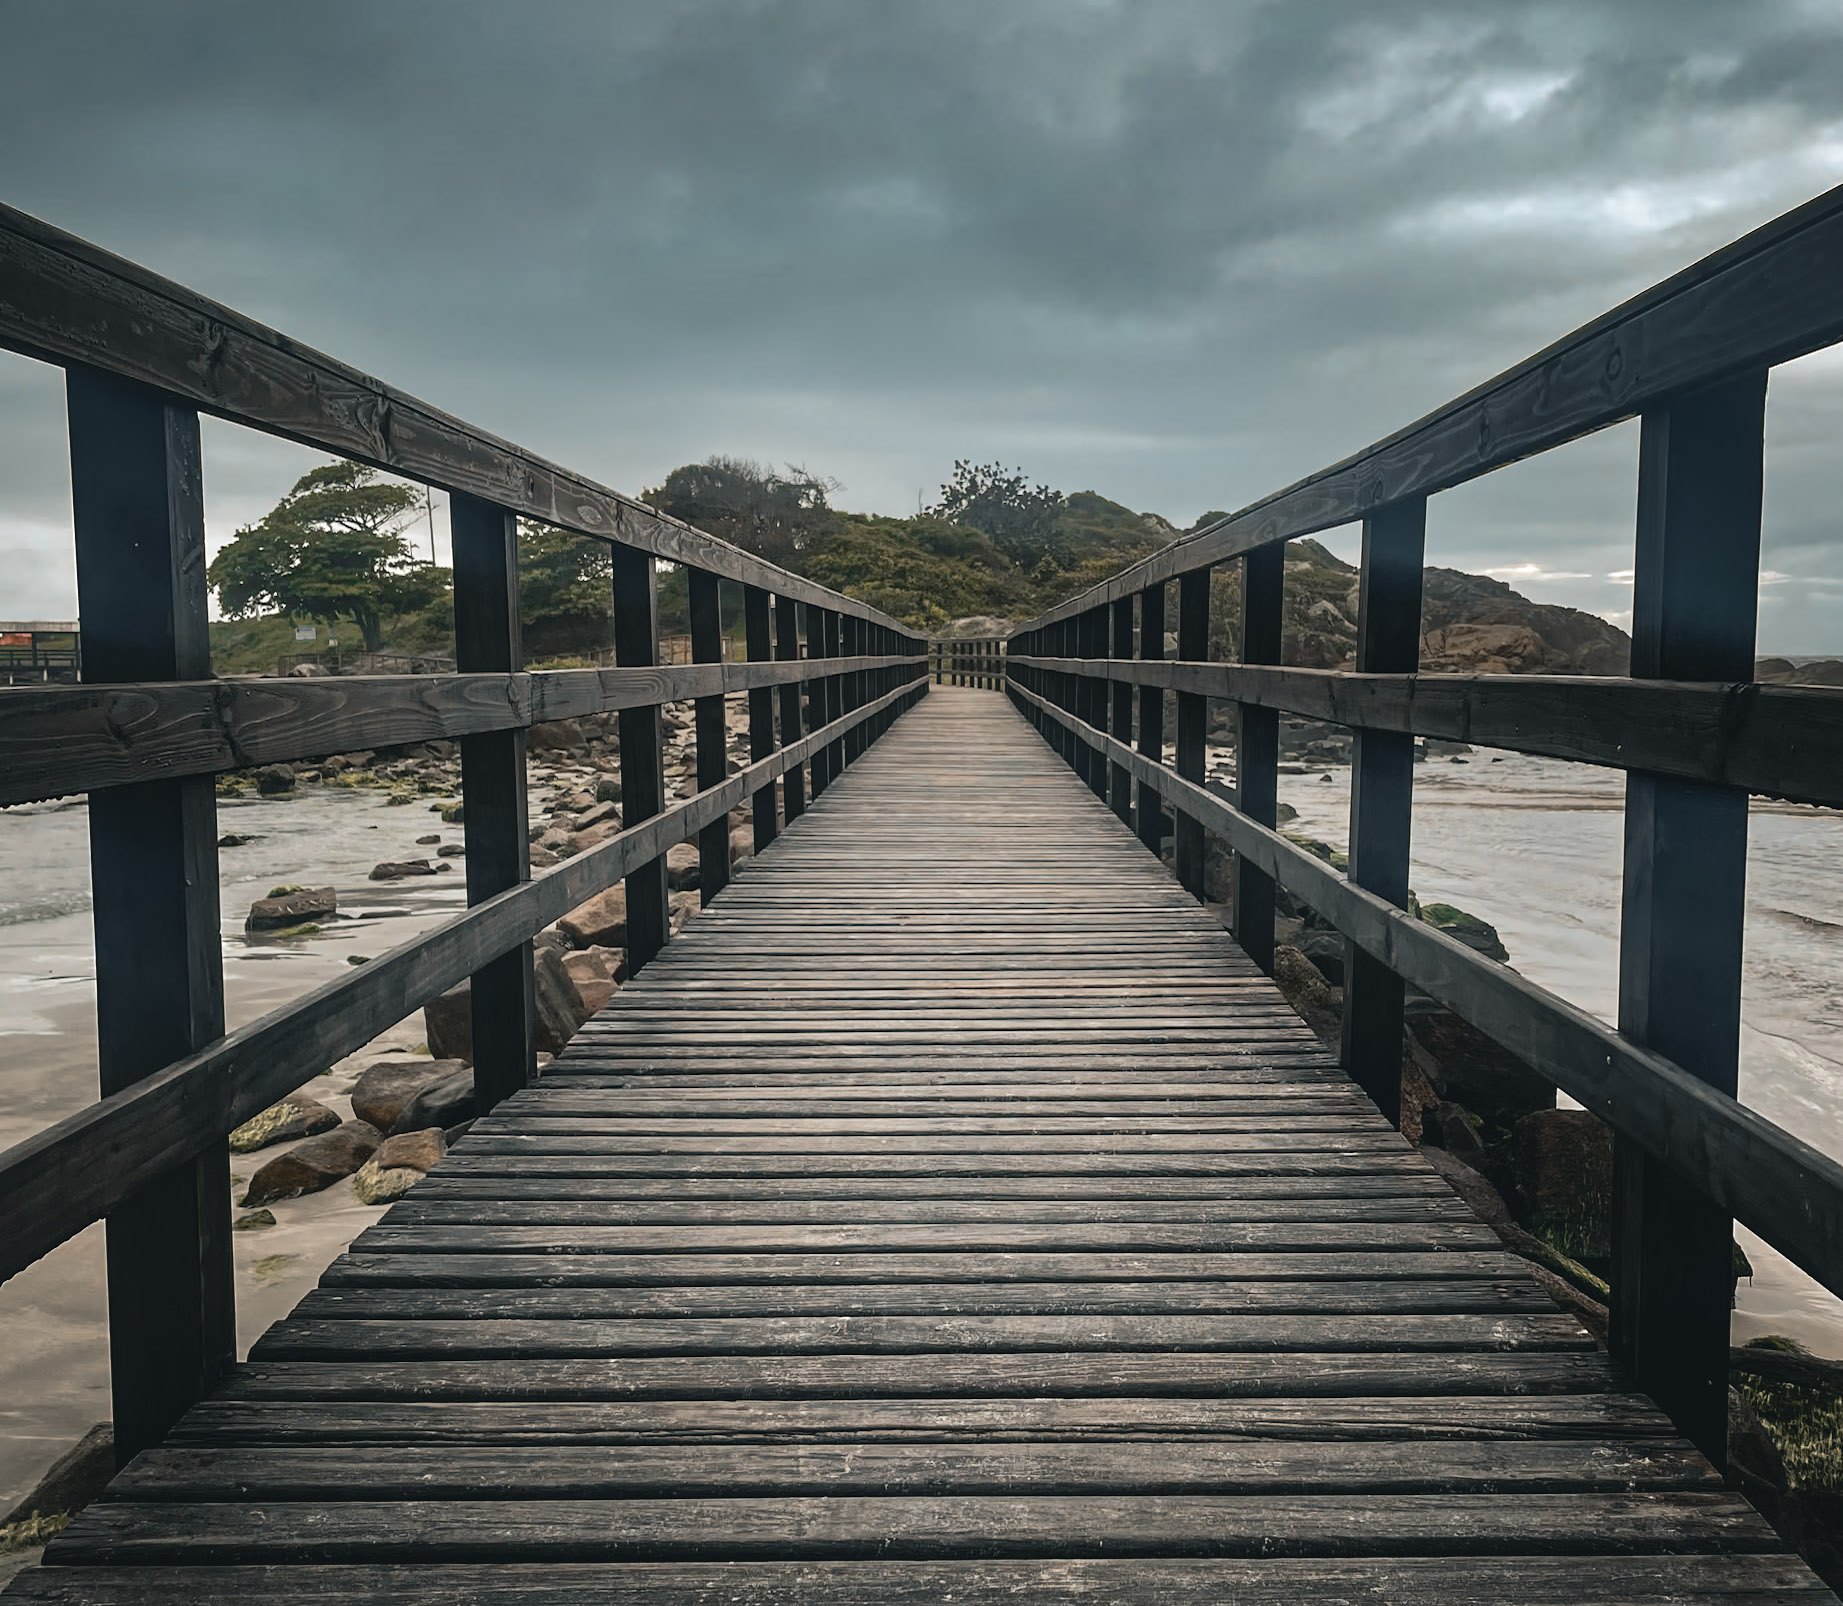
x: 1021, y: 519
x: 565, y: 596
x: 333, y: 548
x: 773, y: 515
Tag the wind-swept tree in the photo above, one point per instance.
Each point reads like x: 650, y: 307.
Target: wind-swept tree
x: 333, y: 548
x: 747, y: 503
x: 1021, y: 518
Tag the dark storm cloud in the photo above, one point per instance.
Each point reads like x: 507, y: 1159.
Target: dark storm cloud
x: 1178, y: 252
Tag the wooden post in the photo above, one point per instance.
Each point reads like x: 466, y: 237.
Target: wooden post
x: 816, y: 703
x: 705, y: 595
x: 1094, y: 696
x: 1192, y: 721
x: 851, y: 636
x: 137, y: 493
x: 1149, y: 813
x: 1120, y: 693
x: 1694, y: 601
x: 834, y: 696
x: 1382, y: 791
x: 1257, y: 746
x: 643, y: 779
x: 756, y: 633
x: 787, y: 650
x: 496, y: 824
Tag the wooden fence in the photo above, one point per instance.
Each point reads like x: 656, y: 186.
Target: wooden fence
x: 1690, y: 358
x: 968, y: 661
x: 149, y: 728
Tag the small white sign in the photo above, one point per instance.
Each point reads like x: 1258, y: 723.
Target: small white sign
x: 306, y: 632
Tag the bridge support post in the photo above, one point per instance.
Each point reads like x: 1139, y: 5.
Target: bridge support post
x: 1094, y: 695
x: 816, y: 698
x: 755, y: 627
x: 1382, y: 792
x: 137, y: 494
x: 643, y: 780
x: 710, y: 727
x: 1257, y: 747
x: 488, y: 640
x: 1694, y: 608
x: 1120, y: 693
x: 1192, y: 721
x: 1149, y: 810
x: 835, y: 696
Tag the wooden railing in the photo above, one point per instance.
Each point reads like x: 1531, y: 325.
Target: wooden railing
x: 149, y: 728
x: 968, y: 661
x: 1696, y: 736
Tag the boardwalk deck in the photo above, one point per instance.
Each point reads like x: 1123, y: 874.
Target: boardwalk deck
x: 952, y: 1213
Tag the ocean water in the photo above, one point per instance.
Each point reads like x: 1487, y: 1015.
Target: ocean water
x: 1533, y: 845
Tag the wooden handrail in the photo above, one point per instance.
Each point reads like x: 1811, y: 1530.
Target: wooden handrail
x: 1776, y: 741
x: 1691, y: 730
x: 68, y: 301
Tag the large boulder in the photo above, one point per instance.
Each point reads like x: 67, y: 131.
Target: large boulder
x: 1308, y: 992
x: 1561, y: 1164
x: 399, y: 869
x: 601, y: 922
x: 449, y: 1019
x: 448, y: 1024
x: 1469, y: 1068
x: 72, y: 1481
x: 386, y: 1088
x: 274, y: 779
x: 420, y: 1150
x: 555, y: 736
x: 318, y: 1163
x: 290, y: 906
x: 296, y: 1117
x: 448, y: 1102
x: 594, y: 981
x: 682, y: 867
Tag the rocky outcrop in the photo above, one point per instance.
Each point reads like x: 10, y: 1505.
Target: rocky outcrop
x: 318, y: 1163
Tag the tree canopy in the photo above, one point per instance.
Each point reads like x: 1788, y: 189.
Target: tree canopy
x: 333, y: 548
x: 746, y: 503
x: 1021, y: 519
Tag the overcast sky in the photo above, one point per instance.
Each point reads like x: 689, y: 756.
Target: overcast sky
x: 1179, y: 253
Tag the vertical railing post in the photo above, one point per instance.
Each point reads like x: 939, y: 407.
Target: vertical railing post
x: 1149, y: 812
x: 1257, y: 747
x: 1382, y: 792
x: 834, y: 695
x: 1192, y: 722
x: 704, y: 593
x: 1694, y: 608
x: 643, y: 780
x: 851, y: 633
x: 787, y: 650
x: 137, y: 493
x: 495, y: 819
x: 1094, y: 696
x: 1120, y: 693
x: 760, y: 646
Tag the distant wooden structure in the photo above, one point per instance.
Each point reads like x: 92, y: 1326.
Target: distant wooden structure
x: 40, y: 651
x: 953, y: 1211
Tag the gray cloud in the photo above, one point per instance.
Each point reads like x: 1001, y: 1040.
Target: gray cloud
x: 1181, y: 253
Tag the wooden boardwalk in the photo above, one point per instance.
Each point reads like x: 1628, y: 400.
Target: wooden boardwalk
x: 952, y: 1213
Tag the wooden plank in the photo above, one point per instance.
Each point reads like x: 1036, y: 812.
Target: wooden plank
x: 138, y: 503
x: 1526, y: 1580
x: 304, y: 1473
x: 148, y: 1532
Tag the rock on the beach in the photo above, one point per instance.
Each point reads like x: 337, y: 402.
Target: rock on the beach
x: 1561, y: 1162
x: 296, y: 1117
x: 420, y: 1150
x: 253, y: 1221
x: 310, y: 903
x: 374, y: 1184
x: 318, y: 1163
x: 682, y: 866
x: 601, y: 922
x: 594, y: 981
x: 397, y: 869
x: 72, y: 1481
x: 273, y: 779
x: 386, y: 1088
x: 1308, y: 992
x: 1471, y: 1069
x: 446, y: 1103
x: 560, y: 1007
x: 555, y: 735
x: 448, y: 1024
